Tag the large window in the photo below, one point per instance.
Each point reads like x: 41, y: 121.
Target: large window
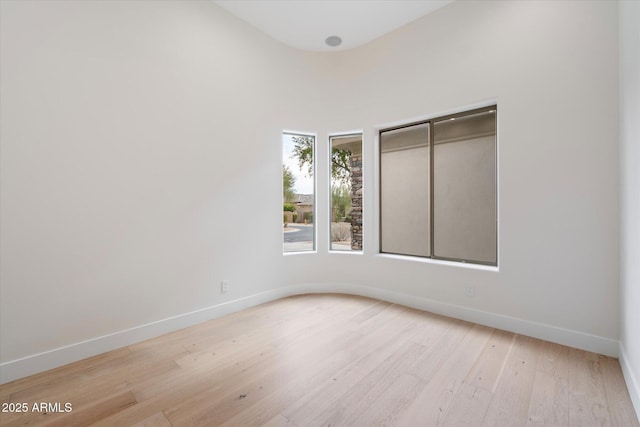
x: 438, y: 188
x: 298, y: 195
x: 346, y: 193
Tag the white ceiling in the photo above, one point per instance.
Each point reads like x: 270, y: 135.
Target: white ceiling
x: 306, y: 24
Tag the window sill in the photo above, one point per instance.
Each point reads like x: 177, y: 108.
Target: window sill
x: 313, y: 252
x: 345, y: 252
x: 469, y: 265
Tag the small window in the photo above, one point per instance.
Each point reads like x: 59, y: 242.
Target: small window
x: 438, y: 196
x: 298, y: 192
x: 346, y: 193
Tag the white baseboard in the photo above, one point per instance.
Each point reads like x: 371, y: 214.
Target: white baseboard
x: 631, y: 379
x: 568, y: 337
x: 40, y: 362
x: 33, y: 364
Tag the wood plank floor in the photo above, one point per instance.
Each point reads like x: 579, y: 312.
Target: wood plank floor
x: 330, y: 360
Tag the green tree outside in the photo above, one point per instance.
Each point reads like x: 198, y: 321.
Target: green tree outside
x: 340, y: 201
x: 288, y: 181
x: 340, y: 169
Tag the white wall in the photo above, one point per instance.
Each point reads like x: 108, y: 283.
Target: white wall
x: 138, y: 136
x: 630, y: 196
x: 552, y: 67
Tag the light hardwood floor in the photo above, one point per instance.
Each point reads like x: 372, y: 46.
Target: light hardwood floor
x: 331, y: 360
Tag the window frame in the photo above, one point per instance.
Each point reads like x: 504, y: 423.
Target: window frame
x: 314, y: 247
x: 431, y: 123
x: 331, y: 137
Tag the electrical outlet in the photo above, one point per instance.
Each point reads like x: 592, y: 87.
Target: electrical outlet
x: 470, y: 291
x: 224, y: 287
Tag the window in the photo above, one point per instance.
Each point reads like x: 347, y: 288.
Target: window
x: 438, y: 195
x: 346, y: 193
x: 298, y: 195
